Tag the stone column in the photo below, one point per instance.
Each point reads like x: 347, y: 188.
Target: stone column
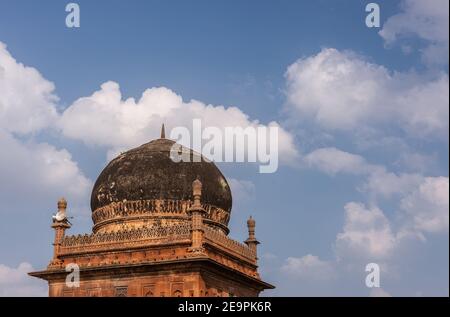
x: 251, y: 240
x: 197, y: 213
x: 60, y: 224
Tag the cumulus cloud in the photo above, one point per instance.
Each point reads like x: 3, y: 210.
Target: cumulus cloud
x: 309, y: 267
x: 16, y: 282
x: 35, y: 170
x: 428, y: 205
x: 379, y: 181
x: 427, y: 20
x: 105, y: 119
x: 39, y: 171
x: 369, y: 236
x: 366, y: 233
x: 423, y: 200
x: 343, y: 91
x: 332, y: 161
x: 354, y: 101
x: 385, y: 184
x: 27, y: 100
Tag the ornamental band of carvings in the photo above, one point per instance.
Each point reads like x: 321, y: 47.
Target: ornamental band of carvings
x: 148, y: 236
x: 181, y: 230
x: 232, y: 245
x: 158, y: 207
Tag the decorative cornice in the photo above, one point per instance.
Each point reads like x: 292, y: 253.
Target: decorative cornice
x: 125, y: 238
x: 144, y: 267
x: 151, y: 236
x: 232, y: 246
x: 118, y: 211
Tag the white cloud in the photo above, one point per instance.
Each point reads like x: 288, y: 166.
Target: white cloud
x: 356, y: 100
x: 385, y: 184
x: 343, y: 91
x: 420, y: 162
x: 16, y: 282
x: 368, y: 236
x: 379, y: 181
x: 424, y: 200
x: 424, y: 208
x: 423, y: 107
x: 332, y: 161
x: 427, y: 20
x: 39, y: 171
x: 428, y: 205
x: 309, y: 267
x: 35, y: 170
x: 27, y: 100
x: 104, y: 118
x: 366, y: 233
x: 336, y: 89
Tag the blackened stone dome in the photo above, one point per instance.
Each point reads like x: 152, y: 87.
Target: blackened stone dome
x: 148, y: 172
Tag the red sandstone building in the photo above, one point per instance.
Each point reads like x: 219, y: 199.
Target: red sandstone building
x: 160, y: 229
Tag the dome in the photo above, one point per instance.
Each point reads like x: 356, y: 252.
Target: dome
x: 148, y: 174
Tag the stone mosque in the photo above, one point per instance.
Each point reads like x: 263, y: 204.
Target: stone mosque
x: 160, y: 228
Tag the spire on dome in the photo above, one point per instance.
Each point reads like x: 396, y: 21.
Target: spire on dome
x: 163, y: 132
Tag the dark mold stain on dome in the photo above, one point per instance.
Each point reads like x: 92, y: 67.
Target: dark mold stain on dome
x: 147, y: 172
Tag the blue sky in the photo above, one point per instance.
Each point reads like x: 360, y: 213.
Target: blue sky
x: 364, y: 176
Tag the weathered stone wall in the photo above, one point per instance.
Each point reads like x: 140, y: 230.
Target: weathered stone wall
x: 166, y: 283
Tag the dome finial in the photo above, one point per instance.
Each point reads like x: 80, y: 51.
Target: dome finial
x: 62, y: 204
x: 163, y: 132
x: 251, y: 240
x: 197, y: 192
